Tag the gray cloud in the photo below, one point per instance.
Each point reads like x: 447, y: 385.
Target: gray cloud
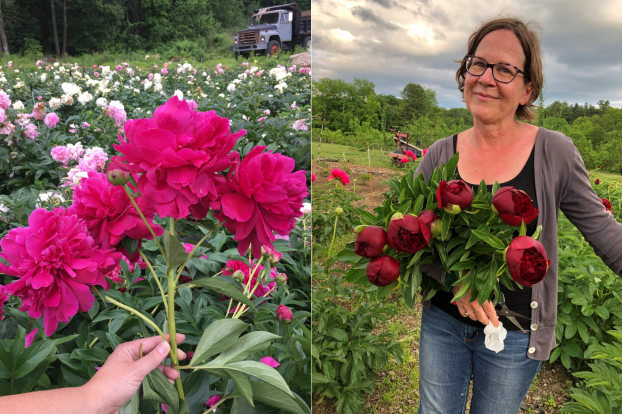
x: 582, y: 62
x: 367, y: 15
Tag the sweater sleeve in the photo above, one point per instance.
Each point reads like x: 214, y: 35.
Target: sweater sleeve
x: 580, y: 203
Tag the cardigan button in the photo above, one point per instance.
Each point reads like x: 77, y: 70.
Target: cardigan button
x: 531, y: 350
x: 534, y: 326
x: 533, y: 304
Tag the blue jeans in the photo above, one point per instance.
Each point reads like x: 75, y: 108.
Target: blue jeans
x: 452, y: 353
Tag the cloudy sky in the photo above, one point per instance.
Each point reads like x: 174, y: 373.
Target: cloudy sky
x: 394, y: 42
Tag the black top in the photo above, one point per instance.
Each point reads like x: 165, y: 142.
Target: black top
x: 519, y: 299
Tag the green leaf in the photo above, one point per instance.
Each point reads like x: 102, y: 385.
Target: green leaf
x: 131, y: 407
x: 418, y: 205
x: 222, y: 287
x: 348, y: 256
x: 31, y: 357
x: 130, y: 245
x: 159, y: 389
x: 219, y: 336
x: 92, y: 354
x: 261, y: 371
x: 175, y: 251
x: 112, y: 313
x: 445, y: 225
x: 464, y: 289
x: 268, y: 394
x: 243, y: 347
x: 602, y: 311
x: 357, y: 276
x: 338, y: 334
x: 242, y: 383
x: 489, y: 238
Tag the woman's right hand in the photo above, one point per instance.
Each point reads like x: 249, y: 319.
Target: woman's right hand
x: 485, y: 313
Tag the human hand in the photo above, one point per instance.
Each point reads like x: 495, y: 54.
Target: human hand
x: 119, y: 378
x: 485, y: 313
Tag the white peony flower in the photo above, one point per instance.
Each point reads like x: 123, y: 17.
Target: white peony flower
x: 18, y: 105
x: 84, y: 98
x: 179, y: 94
x: 148, y: 84
x: 101, y: 102
x: 44, y: 77
x: 231, y: 87
x: 55, y: 103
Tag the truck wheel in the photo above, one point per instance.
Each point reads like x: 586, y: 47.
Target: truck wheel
x: 246, y: 55
x: 307, y: 42
x: 273, y: 48
x: 235, y: 55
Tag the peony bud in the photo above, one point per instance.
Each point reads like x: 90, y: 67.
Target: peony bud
x: 513, y: 206
x: 370, y: 241
x: 189, y: 355
x: 284, y: 315
x: 407, y: 234
x: 272, y: 255
x: 238, y: 275
x: 597, y: 181
x: 607, y: 204
x: 117, y: 172
x: 526, y: 260
x: 383, y: 270
x: 339, y: 211
x: 281, y: 279
x: 454, y: 196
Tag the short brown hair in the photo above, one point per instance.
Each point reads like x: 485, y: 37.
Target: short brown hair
x: 530, y: 42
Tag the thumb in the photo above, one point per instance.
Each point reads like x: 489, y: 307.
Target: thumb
x: 150, y: 361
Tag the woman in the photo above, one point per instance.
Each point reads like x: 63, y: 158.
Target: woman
x: 500, y: 78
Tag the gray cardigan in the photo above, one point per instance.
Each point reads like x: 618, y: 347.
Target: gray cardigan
x: 561, y: 182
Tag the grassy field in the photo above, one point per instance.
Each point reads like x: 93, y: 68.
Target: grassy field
x: 351, y: 155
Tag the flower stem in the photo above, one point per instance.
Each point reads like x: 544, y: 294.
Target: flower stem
x: 292, y: 342
x: 157, y: 280
x: 93, y: 343
x: 140, y: 315
x: 129, y: 194
x: 334, y: 232
x: 172, y: 329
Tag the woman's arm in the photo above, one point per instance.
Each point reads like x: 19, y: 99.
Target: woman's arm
x: 111, y: 387
x: 580, y: 203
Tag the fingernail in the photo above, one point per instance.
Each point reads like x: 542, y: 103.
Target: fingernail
x: 163, y: 348
x: 453, y: 303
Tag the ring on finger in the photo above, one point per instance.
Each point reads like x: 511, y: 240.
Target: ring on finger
x: 466, y: 314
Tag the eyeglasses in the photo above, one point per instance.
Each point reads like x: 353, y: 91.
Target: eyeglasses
x: 502, y: 72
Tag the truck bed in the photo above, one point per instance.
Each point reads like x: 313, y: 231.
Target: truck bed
x: 305, y: 25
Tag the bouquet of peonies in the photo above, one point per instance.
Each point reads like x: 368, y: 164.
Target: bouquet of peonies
x: 478, y: 239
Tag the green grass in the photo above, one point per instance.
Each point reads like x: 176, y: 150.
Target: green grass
x: 351, y: 155
x: 605, y: 175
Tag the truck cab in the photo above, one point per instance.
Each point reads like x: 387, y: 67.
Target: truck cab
x: 273, y: 28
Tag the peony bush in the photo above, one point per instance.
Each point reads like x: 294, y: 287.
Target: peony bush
x: 188, y: 223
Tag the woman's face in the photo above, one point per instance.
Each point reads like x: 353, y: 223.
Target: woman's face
x: 488, y: 100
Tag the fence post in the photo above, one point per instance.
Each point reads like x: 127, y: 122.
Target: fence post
x: 371, y: 189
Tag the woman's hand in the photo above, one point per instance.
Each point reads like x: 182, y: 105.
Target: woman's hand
x: 485, y: 313
x: 119, y: 378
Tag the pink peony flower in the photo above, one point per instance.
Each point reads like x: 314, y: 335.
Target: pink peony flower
x: 164, y: 71
x: 300, y: 125
x: 313, y: 178
x: 5, y: 100
x: 266, y: 197
x: 411, y: 155
x: 262, y: 289
x: 30, y: 336
x: 31, y: 132
x: 51, y: 120
x: 3, y: 298
x: 192, y: 104
x: 2, y: 115
x: 404, y: 160
x: 189, y: 248
x: 7, y: 128
x: 213, y: 401
x: 75, y: 151
x: 108, y: 212
x: 56, y: 262
x: 425, y: 151
x: 61, y: 154
x: 96, y: 74
x: 179, y: 153
x: 38, y: 111
x: 269, y: 361
x: 85, y: 125
x: 263, y: 118
x: 339, y: 175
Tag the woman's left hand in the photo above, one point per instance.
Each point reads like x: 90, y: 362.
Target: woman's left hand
x: 485, y: 313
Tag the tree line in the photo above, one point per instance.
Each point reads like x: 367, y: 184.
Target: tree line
x: 353, y: 114
x: 76, y: 27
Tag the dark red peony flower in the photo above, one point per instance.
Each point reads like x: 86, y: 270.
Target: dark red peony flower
x: 266, y: 198
x: 407, y: 234
x: 108, y: 212
x: 313, y: 178
x: 370, y: 241
x: 179, y: 153
x: 607, y: 204
x: 432, y: 220
x: 526, y: 260
x: 514, y: 206
x: 383, y: 270
x: 454, y: 196
x: 339, y: 175
x: 597, y: 181
x: 56, y: 261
